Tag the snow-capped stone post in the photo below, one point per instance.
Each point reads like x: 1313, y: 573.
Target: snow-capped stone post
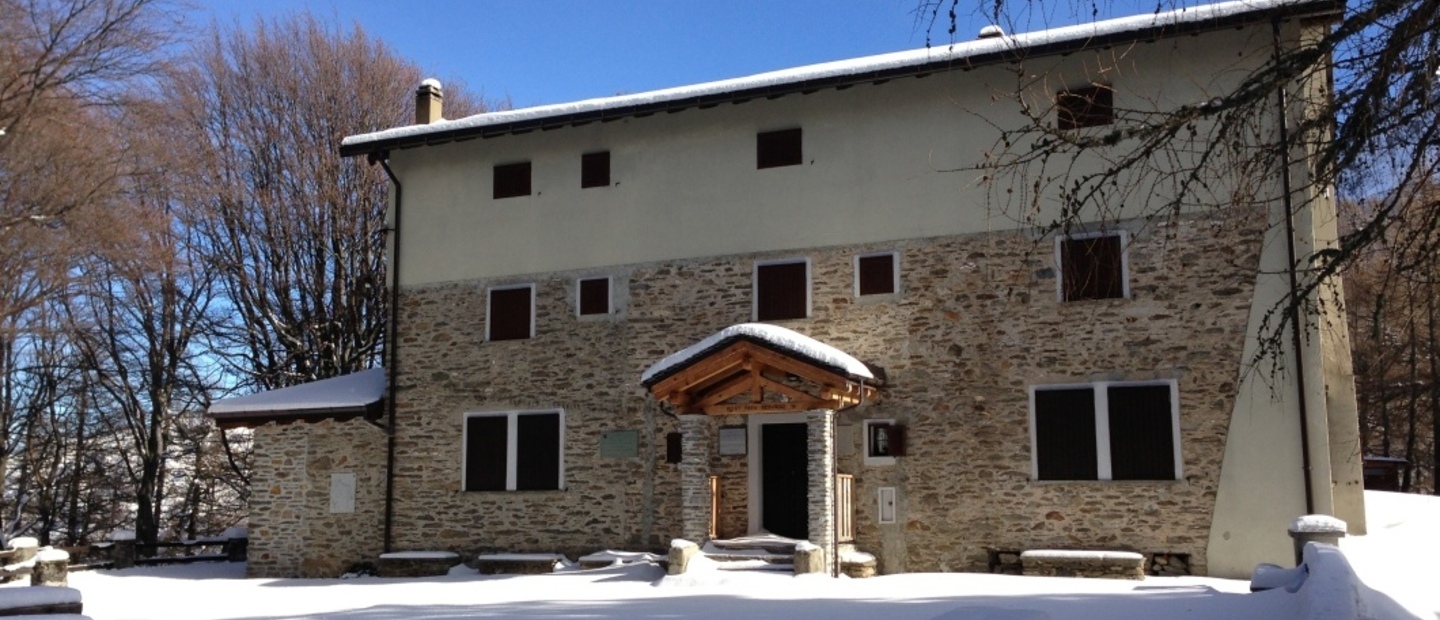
x: 52, y: 568
x: 24, y: 547
x: 1322, y: 529
x: 695, y: 477
x: 428, y: 102
x: 809, y: 558
x: 820, y: 435
x: 681, y: 551
x: 122, y: 548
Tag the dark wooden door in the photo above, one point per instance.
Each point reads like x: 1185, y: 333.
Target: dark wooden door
x: 785, y: 485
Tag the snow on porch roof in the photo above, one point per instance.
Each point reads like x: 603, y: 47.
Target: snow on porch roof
x: 879, y: 68
x: 776, y: 337
x: 345, y: 396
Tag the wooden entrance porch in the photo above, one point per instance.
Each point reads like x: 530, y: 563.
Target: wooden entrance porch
x: 788, y: 387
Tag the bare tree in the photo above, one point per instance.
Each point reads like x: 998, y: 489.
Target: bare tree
x: 298, y: 232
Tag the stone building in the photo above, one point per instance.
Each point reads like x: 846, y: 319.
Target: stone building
x: 780, y: 304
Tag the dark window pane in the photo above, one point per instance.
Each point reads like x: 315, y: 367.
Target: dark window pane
x: 510, y: 314
x: 537, y: 451
x: 673, y: 450
x: 1142, y: 439
x: 781, y: 292
x: 1085, y: 107
x: 595, y: 169
x: 877, y: 274
x: 485, y: 442
x: 1092, y: 268
x: 595, y: 296
x: 778, y: 148
x: 512, y: 180
x: 1065, y: 434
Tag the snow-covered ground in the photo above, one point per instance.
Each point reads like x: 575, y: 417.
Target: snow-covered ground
x: 1397, y: 559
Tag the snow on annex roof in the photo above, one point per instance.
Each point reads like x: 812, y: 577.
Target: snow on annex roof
x: 839, y: 73
x: 773, y: 335
x: 354, y: 394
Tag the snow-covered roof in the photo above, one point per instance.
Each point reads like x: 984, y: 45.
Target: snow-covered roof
x: 350, y: 393
x: 839, y: 73
x: 773, y: 335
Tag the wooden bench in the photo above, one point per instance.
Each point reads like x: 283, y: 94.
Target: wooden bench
x: 1072, y: 563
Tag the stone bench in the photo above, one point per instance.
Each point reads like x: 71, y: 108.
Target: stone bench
x: 1069, y: 563
x: 607, y: 558
x: 517, y: 563
x: 417, y: 563
x: 40, y: 601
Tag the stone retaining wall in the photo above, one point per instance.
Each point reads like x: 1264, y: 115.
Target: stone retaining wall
x: 1105, y: 565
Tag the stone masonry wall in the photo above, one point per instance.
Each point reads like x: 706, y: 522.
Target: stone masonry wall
x: 293, y: 532
x: 975, y: 324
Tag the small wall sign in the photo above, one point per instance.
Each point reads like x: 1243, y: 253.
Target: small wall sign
x: 732, y: 441
x: 620, y: 444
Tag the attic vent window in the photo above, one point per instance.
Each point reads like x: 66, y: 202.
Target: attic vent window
x: 774, y: 149
x: 1084, y: 107
x: 594, y: 296
x: 595, y: 169
x: 512, y: 180
x: 1093, y: 266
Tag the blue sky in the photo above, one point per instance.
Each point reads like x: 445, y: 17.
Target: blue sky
x: 551, y: 51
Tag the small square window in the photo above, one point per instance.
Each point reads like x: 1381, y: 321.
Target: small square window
x: 876, y: 274
x: 774, y: 149
x: 782, y: 291
x: 595, y: 169
x: 511, y: 315
x: 1084, y: 107
x: 594, y: 296
x: 884, y: 440
x: 1092, y: 267
x: 512, y: 180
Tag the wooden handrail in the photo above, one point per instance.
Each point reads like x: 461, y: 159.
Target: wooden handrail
x: 714, y: 527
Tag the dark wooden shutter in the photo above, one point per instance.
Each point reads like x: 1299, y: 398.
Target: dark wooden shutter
x: 877, y: 274
x: 512, y: 180
x: 781, y: 292
x: 595, y: 296
x: 485, y: 458
x: 1085, y: 107
x: 778, y: 148
x: 1142, y: 436
x: 1065, y: 434
x: 673, y: 450
x: 510, y: 314
x: 595, y: 169
x: 537, y: 451
x: 1092, y: 268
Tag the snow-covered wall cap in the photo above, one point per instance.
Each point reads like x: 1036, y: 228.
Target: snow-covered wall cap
x: 774, y: 335
x: 357, y: 389
x: 122, y: 535
x: 52, y: 555
x: 24, y: 542
x: 959, y: 51
x: 1069, y: 554
x: 431, y: 82
x: 681, y: 543
x: 1318, y: 524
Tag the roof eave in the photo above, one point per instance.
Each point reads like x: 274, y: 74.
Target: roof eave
x: 1315, y: 8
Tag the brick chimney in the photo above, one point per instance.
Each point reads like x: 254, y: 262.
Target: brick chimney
x: 428, y: 100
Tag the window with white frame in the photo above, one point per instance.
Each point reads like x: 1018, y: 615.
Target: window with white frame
x: 510, y: 313
x: 877, y: 274
x: 782, y: 290
x: 1105, y: 431
x: 514, y: 451
x: 1093, y: 266
x: 884, y: 440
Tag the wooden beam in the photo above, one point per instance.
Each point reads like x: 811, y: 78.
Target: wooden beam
x: 706, y: 368
x: 792, y: 393
x: 726, y: 391
x: 790, y: 407
x: 798, y: 368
